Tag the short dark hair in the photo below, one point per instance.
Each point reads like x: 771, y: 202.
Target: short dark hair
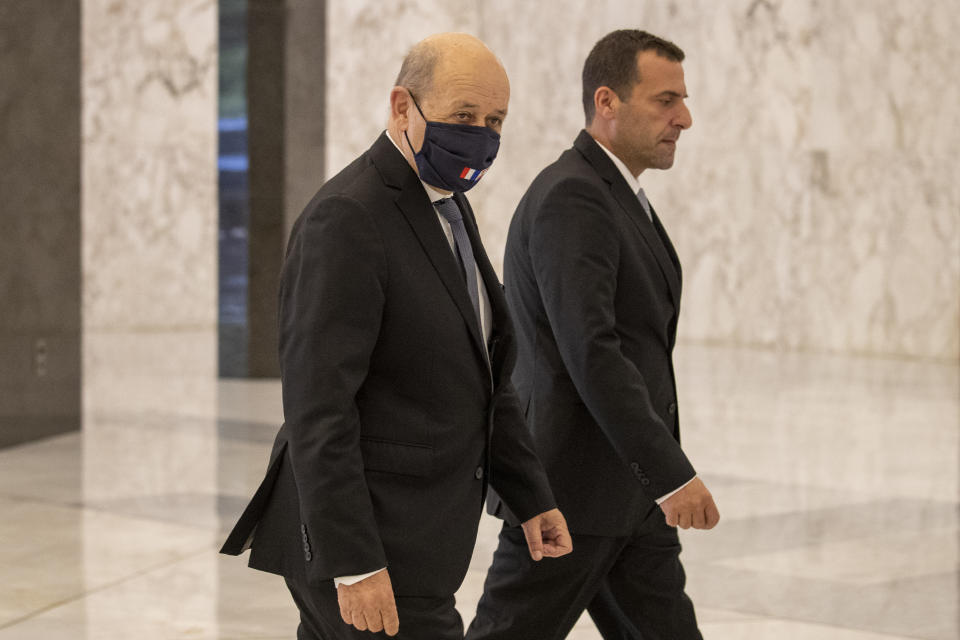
x: 613, y: 63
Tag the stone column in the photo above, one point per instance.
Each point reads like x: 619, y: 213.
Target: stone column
x: 149, y: 204
x: 149, y: 273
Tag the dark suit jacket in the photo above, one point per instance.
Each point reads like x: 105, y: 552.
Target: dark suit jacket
x: 594, y: 288
x: 394, y: 423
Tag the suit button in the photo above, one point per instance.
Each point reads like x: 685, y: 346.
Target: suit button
x: 672, y: 408
x: 645, y: 482
x: 308, y: 556
x: 303, y: 529
x: 635, y: 466
x: 478, y: 474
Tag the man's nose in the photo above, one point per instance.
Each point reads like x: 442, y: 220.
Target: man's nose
x: 683, y: 119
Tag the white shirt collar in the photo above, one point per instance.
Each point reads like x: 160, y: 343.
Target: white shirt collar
x: 632, y: 180
x: 432, y: 193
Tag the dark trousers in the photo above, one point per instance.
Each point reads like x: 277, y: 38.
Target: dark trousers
x: 632, y: 587
x: 420, y: 618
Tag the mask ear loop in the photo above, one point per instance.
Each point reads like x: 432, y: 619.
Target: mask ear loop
x: 420, y: 111
x: 417, y: 154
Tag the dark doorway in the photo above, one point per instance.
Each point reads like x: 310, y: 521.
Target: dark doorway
x: 233, y: 168
x: 272, y: 74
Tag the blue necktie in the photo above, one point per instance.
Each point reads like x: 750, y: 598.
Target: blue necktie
x: 451, y: 213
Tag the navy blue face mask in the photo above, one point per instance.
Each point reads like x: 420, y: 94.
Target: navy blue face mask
x: 454, y: 156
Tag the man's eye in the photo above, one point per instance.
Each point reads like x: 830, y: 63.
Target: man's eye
x: 464, y: 116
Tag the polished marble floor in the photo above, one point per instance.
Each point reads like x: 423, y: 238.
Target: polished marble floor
x: 837, y: 479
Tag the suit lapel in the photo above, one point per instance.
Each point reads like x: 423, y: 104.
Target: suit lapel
x: 420, y: 215
x: 631, y: 205
x: 671, y: 252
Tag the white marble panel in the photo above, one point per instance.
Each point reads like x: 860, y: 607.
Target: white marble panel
x: 149, y: 163
x: 149, y: 93
x: 172, y: 372
x: 813, y: 202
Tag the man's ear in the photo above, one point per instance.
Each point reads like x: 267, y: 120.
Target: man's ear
x: 399, y: 105
x: 605, y: 103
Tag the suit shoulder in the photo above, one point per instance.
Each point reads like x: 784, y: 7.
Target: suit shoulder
x: 358, y: 179
x: 569, y: 184
x: 356, y: 191
x: 570, y: 171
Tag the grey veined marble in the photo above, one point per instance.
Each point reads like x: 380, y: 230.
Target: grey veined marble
x: 149, y: 163
x: 149, y: 90
x: 814, y: 201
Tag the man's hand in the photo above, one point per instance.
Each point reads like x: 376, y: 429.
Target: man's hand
x: 368, y: 605
x: 547, y: 535
x: 692, y: 506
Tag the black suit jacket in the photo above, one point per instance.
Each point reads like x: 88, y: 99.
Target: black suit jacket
x: 394, y: 422
x: 594, y: 288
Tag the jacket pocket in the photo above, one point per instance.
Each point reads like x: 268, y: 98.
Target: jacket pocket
x: 389, y: 456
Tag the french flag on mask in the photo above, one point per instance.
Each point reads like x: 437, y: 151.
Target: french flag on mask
x: 472, y: 174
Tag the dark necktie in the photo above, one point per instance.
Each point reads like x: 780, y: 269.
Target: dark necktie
x: 451, y: 213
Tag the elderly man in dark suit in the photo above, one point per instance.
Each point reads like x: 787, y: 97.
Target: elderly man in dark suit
x: 396, y: 351
x: 594, y: 285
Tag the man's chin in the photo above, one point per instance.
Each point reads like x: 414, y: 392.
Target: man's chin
x: 665, y: 163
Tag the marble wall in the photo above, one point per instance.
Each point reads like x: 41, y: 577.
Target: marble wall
x: 149, y: 202
x: 813, y: 203
x: 149, y: 276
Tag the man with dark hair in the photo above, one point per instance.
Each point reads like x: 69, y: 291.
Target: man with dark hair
x: 605, y: 67
x: 395, y: 354
x: 594, y: 286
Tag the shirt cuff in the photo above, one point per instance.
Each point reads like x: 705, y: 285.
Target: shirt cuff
x: 662, y: 498
x: 348, y: 580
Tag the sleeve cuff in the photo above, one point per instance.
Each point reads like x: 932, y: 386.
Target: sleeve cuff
x: 662, y: 498
x: 348, y: 580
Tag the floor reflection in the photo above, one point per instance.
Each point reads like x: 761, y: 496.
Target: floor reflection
x: 837, y: 479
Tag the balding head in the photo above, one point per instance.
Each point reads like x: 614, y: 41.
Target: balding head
x: 454, y: 79
x: 443, y: 50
